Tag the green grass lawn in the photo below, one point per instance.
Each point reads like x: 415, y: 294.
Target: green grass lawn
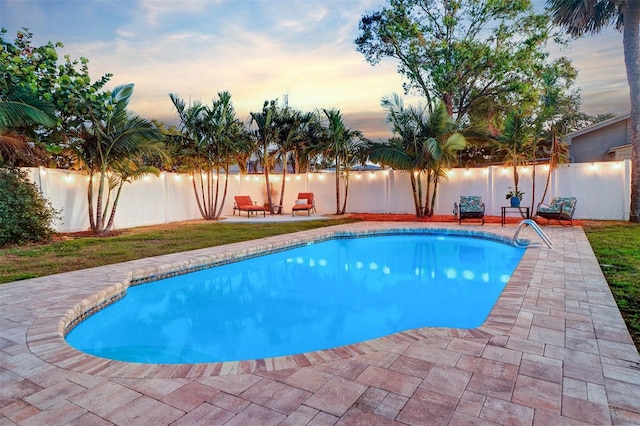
x: 617, y: 248
x: 616, y: 245
x: 70, y: 253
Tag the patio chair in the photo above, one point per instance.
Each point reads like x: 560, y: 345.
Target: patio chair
x: 305, y: 201
x: 243, y: 203
x: 470, y: 207
x: 560, y: 208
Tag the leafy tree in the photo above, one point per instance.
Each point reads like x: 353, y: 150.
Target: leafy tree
x: 462, y: 52
x: 211, y: 136
x: 25, y: 215
x: 34, y: 72
x: 112, y: 149
x: 579, y: 17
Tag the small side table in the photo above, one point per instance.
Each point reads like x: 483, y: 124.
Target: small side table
x: 510, y: 209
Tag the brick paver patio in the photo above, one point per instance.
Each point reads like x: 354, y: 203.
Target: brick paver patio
x: 553, y: 351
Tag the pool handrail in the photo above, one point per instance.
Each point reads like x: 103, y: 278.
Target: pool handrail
x: 534, y: 225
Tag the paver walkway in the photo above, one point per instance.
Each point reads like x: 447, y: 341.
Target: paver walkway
x: 553, y: 351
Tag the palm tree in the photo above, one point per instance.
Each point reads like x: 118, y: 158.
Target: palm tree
x: 557, y: 105
x: 109, y: 143
x: 126, y: 171
x: 405, y: 151
x: 426, y: 145
x: 289, y: 124
x: 226, y: 137
x: 591, y: 16
x: 308, y: 151
x: 514, y: 143
x: 341, y: 144
x: 211, y: 138
x: 190, y: 156
x: 443, y: 143
x: 266, y: 136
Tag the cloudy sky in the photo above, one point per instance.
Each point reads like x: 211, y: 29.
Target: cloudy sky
x: 258, y: 50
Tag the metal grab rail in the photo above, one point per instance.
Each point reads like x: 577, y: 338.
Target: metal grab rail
x: 534, y: 225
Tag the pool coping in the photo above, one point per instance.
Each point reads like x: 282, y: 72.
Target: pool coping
x: 50, y: 345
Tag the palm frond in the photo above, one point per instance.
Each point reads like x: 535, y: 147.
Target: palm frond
x: 22, y: 109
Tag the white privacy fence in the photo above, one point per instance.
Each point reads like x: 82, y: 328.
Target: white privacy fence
x: 602, y: 190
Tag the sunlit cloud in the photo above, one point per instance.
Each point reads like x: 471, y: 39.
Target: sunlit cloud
x: 259, y: 50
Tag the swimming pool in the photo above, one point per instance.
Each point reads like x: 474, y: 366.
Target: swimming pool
x: 319, y: 296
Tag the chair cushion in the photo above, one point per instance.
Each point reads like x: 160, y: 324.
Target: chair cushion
x: 301, y: 201
x: 549, y: 209
x: 303, y: 206
x: 565, y: 203
x: 471, y: 203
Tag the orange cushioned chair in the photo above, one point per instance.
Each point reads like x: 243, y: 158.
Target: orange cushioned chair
x: 306, y: 202
x: 243, y: 203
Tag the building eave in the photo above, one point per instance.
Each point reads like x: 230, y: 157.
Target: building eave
x: 596, y: 126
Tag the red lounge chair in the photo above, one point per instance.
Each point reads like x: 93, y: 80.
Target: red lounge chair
x: 306, y: 202
x: 243, y: 203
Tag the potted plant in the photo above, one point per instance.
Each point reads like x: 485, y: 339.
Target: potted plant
x: 515, y: 196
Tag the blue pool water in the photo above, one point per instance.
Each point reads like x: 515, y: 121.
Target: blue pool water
x: 315, y: 297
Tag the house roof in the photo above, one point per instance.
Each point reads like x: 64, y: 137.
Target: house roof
x: 618, y: 148
x: 596, y: 126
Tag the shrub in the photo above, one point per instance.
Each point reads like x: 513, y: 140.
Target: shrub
x: 25, y: 215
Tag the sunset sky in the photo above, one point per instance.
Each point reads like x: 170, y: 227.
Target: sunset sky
x: 259, y: 50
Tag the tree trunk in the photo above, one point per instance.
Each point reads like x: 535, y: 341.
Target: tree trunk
x: 553, y: 163
x: 215, y: 212
x: 195, y: 192
x: 112, y: 216
x: 92, y: 220
x: 284, y: 178
x: 346, y: 196
x: 436, y: 180
x: 419, y: 186
x: 210, y: 203
x: 427, y: 197
x: 416, y: 197
x: 268, y: 186
x: 99, y: 219
x: 224, y: 190
x: 533, y: 183
x: 416, y: 186
x: 631, y: 44
x: 337, y: 185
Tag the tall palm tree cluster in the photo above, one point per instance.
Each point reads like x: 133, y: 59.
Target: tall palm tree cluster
x: 278, y: 138
x: 210, y: 140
